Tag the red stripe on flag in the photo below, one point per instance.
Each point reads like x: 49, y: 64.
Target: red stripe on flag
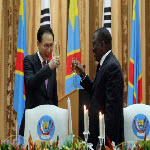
x: 140, y: 91
x: 69, y: 62
x: 134, y: 100
x: 19, y: 61
x: 131, y: 73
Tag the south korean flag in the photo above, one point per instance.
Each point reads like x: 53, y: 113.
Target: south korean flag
x: 107, y: 14
x: 45, y: 13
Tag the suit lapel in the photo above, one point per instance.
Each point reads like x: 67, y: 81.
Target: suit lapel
x: 37, y: 62
x: 101, y: 70
x: 38, y: 66
x: 97, y: 71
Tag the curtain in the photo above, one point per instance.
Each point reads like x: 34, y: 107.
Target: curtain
x: 125, y: 56
x: 2, y: 69
x: 8, y: 31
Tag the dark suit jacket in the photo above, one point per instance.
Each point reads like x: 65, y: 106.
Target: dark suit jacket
x: 34, y: 77
x: 107, y: 97
x: 35, y: 90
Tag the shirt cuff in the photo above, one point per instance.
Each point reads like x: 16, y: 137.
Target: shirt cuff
x: 83, y: 78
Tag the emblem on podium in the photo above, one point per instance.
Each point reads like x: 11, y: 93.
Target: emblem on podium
x: 140, y: 126
x: 45, y: 128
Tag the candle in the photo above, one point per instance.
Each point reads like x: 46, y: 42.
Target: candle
x: 85, y: 119
x: 69, y: 115
x: 101, y: 125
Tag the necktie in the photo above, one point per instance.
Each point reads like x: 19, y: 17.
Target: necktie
x: 44, y: 62
x: 46, y: 81
x: 97, y: 71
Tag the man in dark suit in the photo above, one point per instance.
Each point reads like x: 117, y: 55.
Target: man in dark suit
x: 106, y: 90
x: 40, y: 73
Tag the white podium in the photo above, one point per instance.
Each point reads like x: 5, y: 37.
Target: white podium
x: 45, y: 123
x: 136, y: 122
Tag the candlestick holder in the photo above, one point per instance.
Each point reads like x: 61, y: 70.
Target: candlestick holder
x: 86, y: 135
x: 89, y: 145
x: 101, y: 140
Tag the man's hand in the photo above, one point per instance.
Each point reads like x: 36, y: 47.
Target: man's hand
x: 54, y: 63
x: 77, y: 66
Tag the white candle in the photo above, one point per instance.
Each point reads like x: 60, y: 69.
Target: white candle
x: 69, y: 115
x: 85, y: 119
x: 101, y: 125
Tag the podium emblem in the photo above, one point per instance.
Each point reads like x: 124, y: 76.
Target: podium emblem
x: 140, y: 126
x: 45, y: 128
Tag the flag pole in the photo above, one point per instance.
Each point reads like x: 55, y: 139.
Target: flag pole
x: 16, y: 130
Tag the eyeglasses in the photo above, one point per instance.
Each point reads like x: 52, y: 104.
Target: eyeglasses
x: 47, y: 46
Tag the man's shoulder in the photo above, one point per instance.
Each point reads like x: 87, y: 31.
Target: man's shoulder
x: 113, y: 60
x: 113, y: 63
x: 30, y: 57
